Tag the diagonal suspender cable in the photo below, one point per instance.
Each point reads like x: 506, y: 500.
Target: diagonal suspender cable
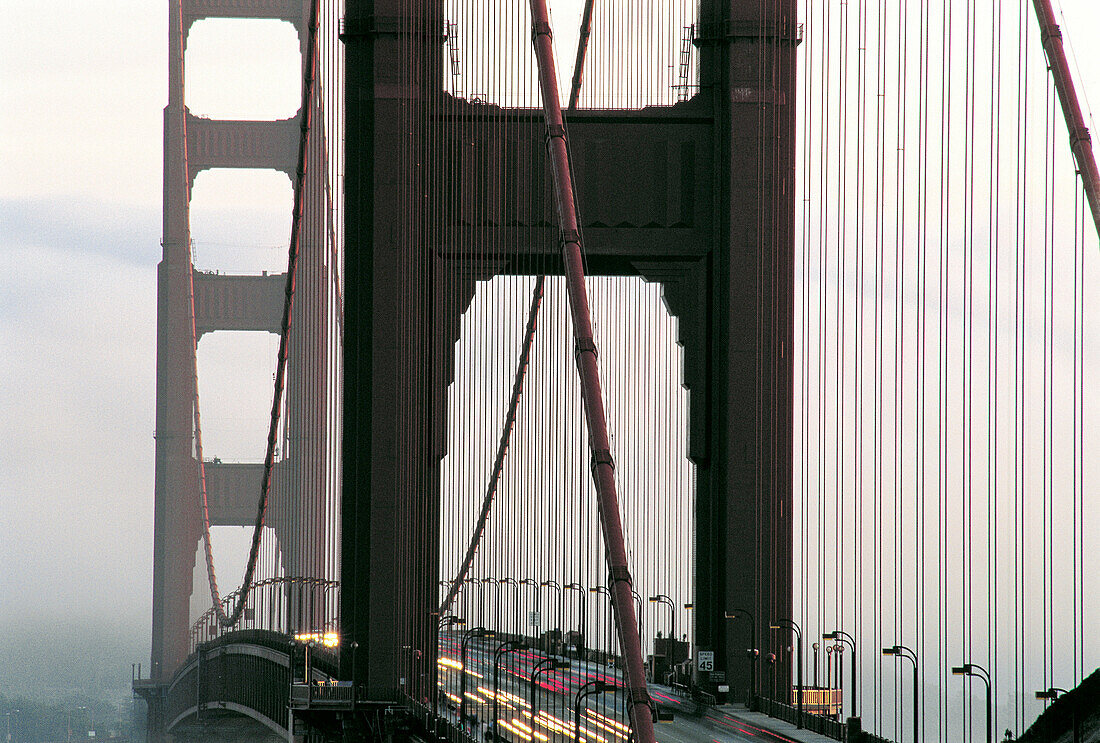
x: 582, y: 51
x: 521, y: 366
x: 603, y: 470
x: 230, y: 619
x: 1079, y: 139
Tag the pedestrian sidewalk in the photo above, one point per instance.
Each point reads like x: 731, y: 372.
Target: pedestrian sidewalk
x: 740, y: 713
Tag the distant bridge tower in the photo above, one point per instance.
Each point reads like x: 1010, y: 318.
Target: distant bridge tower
x: 718, y: 235
x: 227, y: 302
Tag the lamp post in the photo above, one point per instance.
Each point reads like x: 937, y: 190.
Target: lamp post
x: 900, y: 651
x: 500, y: 599
x: 840, y: 672
x: 534, y: 584
x: 584, y: 617
x: 753, y: 654
x: 770, y: 660
x: 557, y: 587
x: 691, y: 624
x: 543, y: 666
x: 606, y: 592
x: 791, y: 624
x: 538, y: 603
x: 470, y: 634
x: 1050, y: 695
x: 505, y: 647
x: 592, y: 687
x: 638, y: 606
x: 447, y: 620
x: 495, y: 613
x: 354, y: 647
x: 663, y: 599
x: 850, y: 641
x: 973, y: 669
x: 480, y: 600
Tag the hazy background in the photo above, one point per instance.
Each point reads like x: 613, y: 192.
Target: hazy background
x: 82, y: 86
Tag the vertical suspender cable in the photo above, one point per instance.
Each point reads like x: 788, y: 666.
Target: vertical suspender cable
x: 230, y: 618
x: 592, y: 397
x: 521, y: 366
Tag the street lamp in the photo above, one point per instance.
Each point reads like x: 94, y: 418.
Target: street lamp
x: 754, y: 652
x: 496, y: 605
x: 690, y: 622
x: 791, y: 624
x: 850, y: 641
x: 972, y: 669
x: 839, y: 647
x: 506, y: 647
x: 770, y: 660
x: 470, y: 634
x: 449, y: 619
x: 592, y: 687
x: 661, y: 598
x: 538, y: 603
x: 468, y: 598
x: 543, y: 666
x: 557, y: 587
x: 606, y: 592
x: 1051, y: 695
x: 900, y: 651
x: 500, y: 599
x: 584, y: 617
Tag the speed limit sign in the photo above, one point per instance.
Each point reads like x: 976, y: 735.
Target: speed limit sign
x: 706, y: 660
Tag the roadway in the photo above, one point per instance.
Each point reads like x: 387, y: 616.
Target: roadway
x: 603, y: 720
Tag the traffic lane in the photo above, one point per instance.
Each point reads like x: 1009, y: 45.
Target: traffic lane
x: 718, y: 728
x: 600, y: 721
x: 603, y: 719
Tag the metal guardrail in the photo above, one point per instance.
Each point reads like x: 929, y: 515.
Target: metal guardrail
x: 849, y: 732
x: 819, y: 701
x: 338, y: 695
x: 814, y: 723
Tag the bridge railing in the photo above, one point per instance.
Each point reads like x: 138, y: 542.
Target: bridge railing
x: 819, y: 700
x: 849, y: 732
x: 826, y: 726
x: 303, y: 607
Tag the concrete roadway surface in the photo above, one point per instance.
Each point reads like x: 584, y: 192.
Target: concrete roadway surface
x: 602, y: 721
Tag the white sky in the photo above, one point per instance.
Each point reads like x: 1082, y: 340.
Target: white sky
x: 82, y: 86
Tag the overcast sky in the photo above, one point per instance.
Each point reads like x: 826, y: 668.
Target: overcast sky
x: 82, y: 86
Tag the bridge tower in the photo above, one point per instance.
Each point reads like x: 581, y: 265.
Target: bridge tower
x: 718, y: 235
x: 191, y: 303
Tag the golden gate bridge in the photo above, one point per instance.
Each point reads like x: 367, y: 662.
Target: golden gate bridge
x: 719, y: 364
